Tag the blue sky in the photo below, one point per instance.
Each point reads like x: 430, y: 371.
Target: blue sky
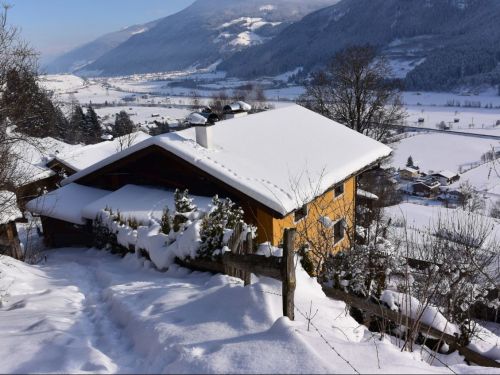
x: 56, y: 26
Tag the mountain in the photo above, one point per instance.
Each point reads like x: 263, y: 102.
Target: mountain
x: 206, y: 32
x: 433, y: 44
x: 88, y: 53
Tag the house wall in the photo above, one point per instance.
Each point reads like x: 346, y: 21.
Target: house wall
x: 34, y: 189
x: 155, y: 166
x: 271, y: 228
x: 407, y: 175
x: 58, y: 233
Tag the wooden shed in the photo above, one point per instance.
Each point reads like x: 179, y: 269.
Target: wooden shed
x: 9, y: 213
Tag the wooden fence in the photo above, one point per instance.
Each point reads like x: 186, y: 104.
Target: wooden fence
x: 240, y: 262
x: 383, y: 312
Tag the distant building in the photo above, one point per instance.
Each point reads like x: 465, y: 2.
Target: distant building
x: 446, y: 177
x: 426, y: 188
x: 409, y: 173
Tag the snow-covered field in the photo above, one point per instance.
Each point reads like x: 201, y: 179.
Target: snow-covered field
x: 144, y: 115
x: 437, y: 151
x: 473, y: 120
x: 87, y: 311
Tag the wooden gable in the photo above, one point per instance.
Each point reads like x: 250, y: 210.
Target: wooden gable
x: 155, y: 166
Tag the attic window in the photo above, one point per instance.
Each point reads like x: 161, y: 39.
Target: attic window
x: 338, y: 190
x: 338, y: 231
x: 301, y: 213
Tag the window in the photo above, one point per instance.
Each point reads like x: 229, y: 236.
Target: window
x: 338, y: 231
x: 338, y: 190
x: 301, y: 213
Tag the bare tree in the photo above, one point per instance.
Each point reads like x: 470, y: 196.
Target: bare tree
x: 470, y: 199
x: 454, y: 265
x: 218, y: 102
x: 125, y: 141
x: 15, y: 56
x: 354, y: 89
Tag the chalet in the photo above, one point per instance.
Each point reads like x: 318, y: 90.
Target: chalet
x: 446, y: 177
x: 409, y: 173
x: 276, y: 165
x: 9, y: 241
x: 428, y: 188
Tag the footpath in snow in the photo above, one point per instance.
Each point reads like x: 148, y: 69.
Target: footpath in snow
x: 87, y: 311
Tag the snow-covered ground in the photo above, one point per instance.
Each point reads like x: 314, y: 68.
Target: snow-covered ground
x: 144, y: 115
x: 473, y: 120
x: 87, y: 311
x: 437, y: 151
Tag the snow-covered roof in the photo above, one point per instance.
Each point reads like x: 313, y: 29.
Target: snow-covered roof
x: 446, y: 174
x: 281, y: 158
x: 66, y: 203
x: 8, y: 207
x: 31, y: 158
x: 139, y: 202
x: 197, y: 119
x: 85, y: 156
x: 410, y: 169
x: 366, y: 194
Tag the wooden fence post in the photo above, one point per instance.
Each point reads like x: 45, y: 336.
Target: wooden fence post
x: 247, y: 276
x: 288, y: 273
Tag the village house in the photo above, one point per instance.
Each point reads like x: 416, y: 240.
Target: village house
x: 409, y: 173
x: 428, y: 188
x: 446, y: 177
x: 279, y: 166
x: 9, y: 213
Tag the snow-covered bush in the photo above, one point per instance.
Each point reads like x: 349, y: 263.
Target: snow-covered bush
x: 217, y: 226
x: 363, y: 270
x: 183, y: 207
x: 166, y: 221
x: 105, y: 231
x: 100, y: 233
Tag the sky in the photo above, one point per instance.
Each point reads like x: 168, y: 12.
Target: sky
x: 56, y: 26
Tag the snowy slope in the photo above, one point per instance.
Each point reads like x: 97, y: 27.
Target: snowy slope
x: 88, y: 311
x: 81, y: 56
x: 436, y: 152
x: 201, y: 35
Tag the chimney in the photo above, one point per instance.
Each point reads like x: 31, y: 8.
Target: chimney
x: 204, y: 135
x: 203, y: 129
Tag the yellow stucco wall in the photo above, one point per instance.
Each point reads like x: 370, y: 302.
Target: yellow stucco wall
x: 335, y: 208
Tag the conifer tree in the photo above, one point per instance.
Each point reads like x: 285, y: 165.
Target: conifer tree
x: 166, y: 221
x: 77, y: 125
x: 183, y: 205
x: 224, y: 215
x: 123, y: 124
x: 93, y: 130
